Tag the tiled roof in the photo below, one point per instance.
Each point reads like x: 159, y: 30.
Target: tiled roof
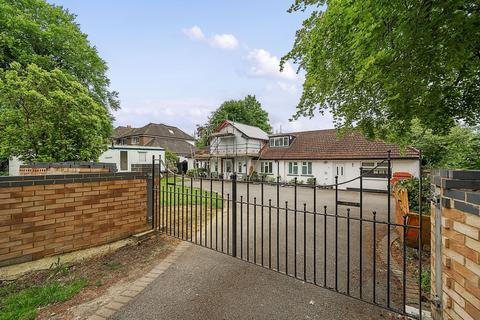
x: 122, y: 131
x: 153, y: 129
x: 177, y: 146
x: 328, y: 145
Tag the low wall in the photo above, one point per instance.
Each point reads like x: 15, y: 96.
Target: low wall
x: 52, y: 214
x: 456, y: 244
x: 72, y: 167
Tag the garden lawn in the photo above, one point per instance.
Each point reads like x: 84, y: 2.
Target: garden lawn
x: 176, y: 194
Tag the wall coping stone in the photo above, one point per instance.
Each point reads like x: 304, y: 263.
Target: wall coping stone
x: 17, y: 181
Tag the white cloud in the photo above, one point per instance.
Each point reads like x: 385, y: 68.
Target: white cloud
x: 194, y: 33
x: 224, y: 41
x: 264, y: 64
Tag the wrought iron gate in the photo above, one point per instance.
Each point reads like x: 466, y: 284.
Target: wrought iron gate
x: 306, y: 231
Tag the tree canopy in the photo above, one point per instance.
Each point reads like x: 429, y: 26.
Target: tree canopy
x: 458, y: 149
x: 54, y: 89
x: 379, y: 64
x: 247, y: 111
x: 49, y: 116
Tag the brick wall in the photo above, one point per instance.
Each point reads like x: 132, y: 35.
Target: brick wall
x: 71, y: 167
x: 48, y: 215
x: 456, y: 244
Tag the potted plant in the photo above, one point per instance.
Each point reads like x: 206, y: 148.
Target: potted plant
x: 406, y: 193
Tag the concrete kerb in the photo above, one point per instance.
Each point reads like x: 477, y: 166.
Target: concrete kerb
x: 139, y: 285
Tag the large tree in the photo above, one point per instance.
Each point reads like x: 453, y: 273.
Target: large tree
x: 458, y: 149
x: 247, y: 111
x: 54, y: 89
x: 379, y: 64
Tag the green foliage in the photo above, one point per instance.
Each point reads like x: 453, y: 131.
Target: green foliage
x: 171, y: 160
x: 49, y: 116
x: 196, y: 172
x: 247, y: 111
x: 425, y: 282
x: 23, y: 304
x: 379, y: 64
x: 412, y: 187
x: 311, y: 181
x: 36, y: 32
x: 458, y: 149
x: 54, y: 98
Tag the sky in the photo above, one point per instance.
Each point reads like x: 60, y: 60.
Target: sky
x: 174, y: 62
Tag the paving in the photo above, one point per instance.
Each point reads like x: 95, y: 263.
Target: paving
x: 204, y: 284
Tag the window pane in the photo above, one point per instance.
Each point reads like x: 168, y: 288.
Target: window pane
x: 290, y: 165
x: 368, y: 164
x: 309, y: 168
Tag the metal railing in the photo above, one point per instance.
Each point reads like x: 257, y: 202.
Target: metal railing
x: 338, y: 244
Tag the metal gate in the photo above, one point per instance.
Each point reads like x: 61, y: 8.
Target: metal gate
x: 320, y: 234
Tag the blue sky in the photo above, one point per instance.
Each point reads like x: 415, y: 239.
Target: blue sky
x: 175, y: 62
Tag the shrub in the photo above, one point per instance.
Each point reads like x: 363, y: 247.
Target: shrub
x: 311, y: 181
x: 411, y: 185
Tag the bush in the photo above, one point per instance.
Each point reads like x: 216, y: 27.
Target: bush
x: 311, y: 181
x: 197, y: 172
x: 411, y: 185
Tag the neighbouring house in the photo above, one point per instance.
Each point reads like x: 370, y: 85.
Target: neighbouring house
x: 323, y: 154
x: 319, y: 154
x: 115, y: 158
x: 132, y: 158
x: 233, y: 147
x: 158, y: 136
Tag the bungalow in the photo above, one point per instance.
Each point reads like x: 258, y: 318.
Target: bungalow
x: 323, y: 154
x: 319, y: 154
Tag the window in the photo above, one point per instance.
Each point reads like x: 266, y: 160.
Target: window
x: 306, y: 168
x: 266, y: 167
x: 380, y: 171
x: 135, y: 140
x: 240, y: 167
x: 142, y: 156
x: 293, y: 168
x: 279, y: 142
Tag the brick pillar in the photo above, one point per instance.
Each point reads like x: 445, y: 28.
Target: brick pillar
x: 456, y: 244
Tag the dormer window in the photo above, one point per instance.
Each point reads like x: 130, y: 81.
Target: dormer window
x: 135, y: 140
x: 279, y: 142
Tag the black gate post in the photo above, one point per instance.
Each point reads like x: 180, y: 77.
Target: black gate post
x: 234, y: 214
x: 151, y: 194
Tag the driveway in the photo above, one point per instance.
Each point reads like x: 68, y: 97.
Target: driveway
x: 346, y: 254
x: 204, y: 284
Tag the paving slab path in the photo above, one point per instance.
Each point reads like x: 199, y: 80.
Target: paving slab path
x: 204, y: 284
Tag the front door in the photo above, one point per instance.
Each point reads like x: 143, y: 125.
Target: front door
x: 123, y: 160
x: 228, y: 167
x: 340, y: 172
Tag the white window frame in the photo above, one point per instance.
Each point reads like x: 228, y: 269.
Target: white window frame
x: 380, y: 172
x: 266, y: 167
x: 306, y: 168
x: 278, y: 142
x: 135, y: 140
x: 293, y: 168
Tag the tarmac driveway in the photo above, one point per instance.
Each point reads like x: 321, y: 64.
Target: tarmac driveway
x: 204, y: 284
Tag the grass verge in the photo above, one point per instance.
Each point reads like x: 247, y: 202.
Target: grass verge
x: 23, y: 304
